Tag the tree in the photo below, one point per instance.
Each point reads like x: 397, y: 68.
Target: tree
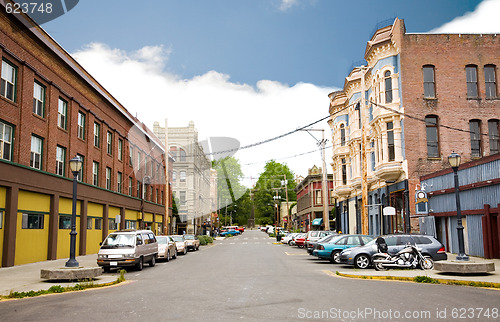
x: 271, y: 183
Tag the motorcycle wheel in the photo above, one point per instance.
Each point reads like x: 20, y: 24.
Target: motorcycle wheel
x: 426, y: 263
x: 379, y: 266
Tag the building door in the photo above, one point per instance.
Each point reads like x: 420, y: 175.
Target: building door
x: 397, y: 201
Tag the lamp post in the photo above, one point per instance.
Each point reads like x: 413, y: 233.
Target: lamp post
x: 75, y: 165
x: 454, y: 160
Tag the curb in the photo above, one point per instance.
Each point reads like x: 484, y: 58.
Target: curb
x: 424, y: 280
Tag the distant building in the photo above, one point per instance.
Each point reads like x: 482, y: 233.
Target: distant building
x: 310, y: 201
x: 52, y: 110
x: 425, y: 96
x: 191, y: 178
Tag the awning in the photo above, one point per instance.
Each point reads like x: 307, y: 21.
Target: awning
x: 317, y: 221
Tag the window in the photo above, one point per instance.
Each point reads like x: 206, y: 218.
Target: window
x: 36, y: 152
x: 130, y: 224
x: 317, y: 197
x: 1, y: 219
x: 494, y: 136
x: 429, y: 82
x: 138, y: 159
x: 98, y: 223
x: 95, y: 173
x: 431, y: 127
x: 138, y: 189
x: 145, y: 164
x: 97, y: 135
x: 120, y: 149
x: 109, y: 142
x: 475, y: 138
x: 182, y: 197
x: 81, y: 126
x: 62, y: 111
x: 64, y: 222
x: 342, y: 134
x: 60, y: 160
x: 157, y: 196
x: 9, y: 81
x: 183, y: 176
x: 388, y: 87
x: 490, y: 81
x: 89, y: 223
x: 182, y: 155
x: 38, y: 99
x: 131, y: 156
x: 119, y: 182
x: 80, y: 175
x: 344, y: 172
x: 390, y: 141
x: 358, y: 114
x: 6, y: 134
x: 174, y: 176
x: 372, y: 156
x: 129, y: 186
x: 112, y: 225
x: 471, y: 75
x: 32, y: 221
x: 108, y: 178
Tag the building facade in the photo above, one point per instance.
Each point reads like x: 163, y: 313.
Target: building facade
x: 191, y: 178
x: 52, y: 110
x: 309, y: 215
x: 418, y: 98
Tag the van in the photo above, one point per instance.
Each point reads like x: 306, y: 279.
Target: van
x: 125, y: 248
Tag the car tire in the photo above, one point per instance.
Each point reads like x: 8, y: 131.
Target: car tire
x: 152, y: 262
x: 362, y: 261
x: 140, y: 264
x: 185, y: 251
x: 335, y: 257
x: 289, y: 243
x: 167, y: 258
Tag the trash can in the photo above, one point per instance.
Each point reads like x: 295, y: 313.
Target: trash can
x: 278, y: 237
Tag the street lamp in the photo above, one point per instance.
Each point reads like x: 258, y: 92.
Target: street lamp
x: 454, y: 160
x: 75, y: 165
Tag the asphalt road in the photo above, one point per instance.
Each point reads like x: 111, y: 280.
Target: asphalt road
x: 249, y: 278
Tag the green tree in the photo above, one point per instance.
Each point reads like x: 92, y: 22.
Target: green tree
x: 271, y: 183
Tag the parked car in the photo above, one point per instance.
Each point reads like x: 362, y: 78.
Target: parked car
x: 193, y: 242
x: 300, y: 240
x: 126, y: 248
x: 312, y: 245
x: 166, y: 248
x: 287, y: 239
x: 360, y: 257
x: 315, y: 235
x: 180, y: 243
x: 229, y: 232
x: 331, y: 250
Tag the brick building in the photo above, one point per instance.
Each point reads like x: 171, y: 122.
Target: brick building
x: 418, y: 98
x: 52, y: 110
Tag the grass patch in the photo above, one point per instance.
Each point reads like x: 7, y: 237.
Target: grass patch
x: 83, y: 285
x: 425, y: 279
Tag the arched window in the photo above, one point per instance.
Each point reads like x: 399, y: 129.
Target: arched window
x: 431, y: 127
x: 429, y: 81
x: 342, y: 134
x: 182, y: 153
x: 388, y: 87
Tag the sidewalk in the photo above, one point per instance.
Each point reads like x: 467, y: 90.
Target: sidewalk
x: 24, y: 278
x: 492, y: 277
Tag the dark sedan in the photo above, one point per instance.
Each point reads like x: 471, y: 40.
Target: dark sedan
x: 360, y: 257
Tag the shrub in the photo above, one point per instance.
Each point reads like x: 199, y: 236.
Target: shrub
x: 203, y: 240
x: 209, y: 239
x: 425, y: 279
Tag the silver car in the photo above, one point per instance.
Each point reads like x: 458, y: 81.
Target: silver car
x: 166, y: 248
x: 180, y: 243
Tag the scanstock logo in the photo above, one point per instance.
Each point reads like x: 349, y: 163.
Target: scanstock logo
x: 41, y: 11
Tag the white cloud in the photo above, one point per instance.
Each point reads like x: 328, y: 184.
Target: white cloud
x: 217, y: 106
x: 287, y: 4
x: 484, y: 19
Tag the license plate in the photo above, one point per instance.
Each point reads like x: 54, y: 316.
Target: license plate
x: 113, y: 264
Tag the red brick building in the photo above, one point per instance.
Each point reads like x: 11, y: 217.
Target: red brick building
x: 52, y: 110
x: 418, y: 98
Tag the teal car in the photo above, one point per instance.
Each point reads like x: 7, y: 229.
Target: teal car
x: 335, y: 246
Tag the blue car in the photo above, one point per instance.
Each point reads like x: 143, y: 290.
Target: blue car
x: 335, y: 246
x: 230, y: 232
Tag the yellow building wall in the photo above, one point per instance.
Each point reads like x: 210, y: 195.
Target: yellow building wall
x: 63, y: 236
x: 148, y: 217
x: 112, y: 213
x: 131, y: 215
x: 94, y: 236
x: 32, y: 244
x: 3, y: 196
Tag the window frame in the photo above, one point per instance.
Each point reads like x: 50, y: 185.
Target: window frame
x: 80, y: 174
x: 475, y: 139
x: 97, y: 135
x: 130, y: 186
x: 494, y: 135
x: 39, y: 102
x: 471, y: 80
x: 60, y: 164
x: 108, y: 178
x: 81, y: 125
x: 120, y: 150
x: 34, y: 153
x: 490, y: 82
x: 62, y: 113
x: 182, y: 176
x: 388, y: 87
x: 119, y: 182
x: 429, y: 126
x: 25, y: 220
x: 4, y: 82
x: 429, y: 85
x: 95, y: 173
x: 109, y: 143
x: 391, y: 147
x: 4, y: 143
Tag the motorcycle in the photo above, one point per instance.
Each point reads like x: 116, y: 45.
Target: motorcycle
x: 409, y: 257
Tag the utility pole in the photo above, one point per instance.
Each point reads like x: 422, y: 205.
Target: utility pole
x: 286, y: 195
x: 167, y: 222
x: 364, y: 169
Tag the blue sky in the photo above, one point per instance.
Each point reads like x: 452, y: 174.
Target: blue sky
x: 245, y: 69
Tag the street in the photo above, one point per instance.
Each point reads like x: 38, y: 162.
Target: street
x: 249, y: 278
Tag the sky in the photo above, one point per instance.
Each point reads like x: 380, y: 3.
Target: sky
x: 248, y: 69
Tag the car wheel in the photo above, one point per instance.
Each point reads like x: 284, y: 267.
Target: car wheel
x: 362, y: 261
x: 185, y: 251
x: 168, y: 256
x: 289, y: 243
x: 379, y: 266
x: 335, y: 257
x: 140, y: 264
x: 152, y: 262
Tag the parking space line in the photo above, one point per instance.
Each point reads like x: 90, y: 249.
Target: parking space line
x: 296, y: 254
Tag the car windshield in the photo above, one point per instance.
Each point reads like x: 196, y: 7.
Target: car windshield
x: 162, y: 240
x: 178, y: 238
x: 190, y: 237
x: 119, y: 240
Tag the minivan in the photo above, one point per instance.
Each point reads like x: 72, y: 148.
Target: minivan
x: 125, y: 248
